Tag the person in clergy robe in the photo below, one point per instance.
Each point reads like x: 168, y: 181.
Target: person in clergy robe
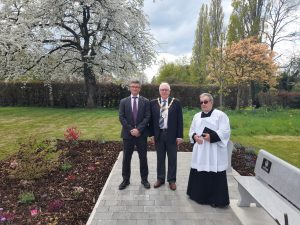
x: 210, y: 133
x: 134, y: 115
x: 166, y: 132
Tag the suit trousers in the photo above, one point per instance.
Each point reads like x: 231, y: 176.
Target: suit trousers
x: 141, y: 145
x: 164, y: 147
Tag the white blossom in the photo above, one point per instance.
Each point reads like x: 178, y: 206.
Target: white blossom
x: 62, y: 39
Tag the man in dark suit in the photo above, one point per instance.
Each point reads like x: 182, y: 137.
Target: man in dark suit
x: 166, y: 131
x: 134, y: 115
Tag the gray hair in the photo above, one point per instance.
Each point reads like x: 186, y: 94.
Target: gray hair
x: 207, y: 95
x: 135, y: 82
x: 165, y: 84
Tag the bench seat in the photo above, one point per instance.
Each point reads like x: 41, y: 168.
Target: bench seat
x: 275, y: 187
x: 253, y: 190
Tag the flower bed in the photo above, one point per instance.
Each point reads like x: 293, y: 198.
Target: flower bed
x: 68, y: 193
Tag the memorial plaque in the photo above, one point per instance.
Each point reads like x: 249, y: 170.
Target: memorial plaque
x: 266, y: 165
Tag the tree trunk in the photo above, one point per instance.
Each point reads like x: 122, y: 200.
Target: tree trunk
x: 221, y: 96
x: 251, y: 94
x: 90, y: 84
x: 51, y: 99
x: 221, y: 100
x: 237, y: 107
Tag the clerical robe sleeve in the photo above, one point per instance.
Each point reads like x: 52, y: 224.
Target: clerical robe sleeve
x: 224, y: 130
x: 192, y: 131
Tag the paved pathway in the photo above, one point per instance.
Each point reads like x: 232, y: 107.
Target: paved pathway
x: 139, y: 206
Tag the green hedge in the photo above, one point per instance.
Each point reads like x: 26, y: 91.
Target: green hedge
x: 109, y: 95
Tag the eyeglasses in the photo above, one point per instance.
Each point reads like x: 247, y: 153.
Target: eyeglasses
x: 164, y: 90
x: 134, y: 86
x: 204, y: 102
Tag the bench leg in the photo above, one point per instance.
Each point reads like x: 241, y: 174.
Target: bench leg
x: 245, y: 197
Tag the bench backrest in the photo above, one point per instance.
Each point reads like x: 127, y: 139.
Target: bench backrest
x: 282, y: 176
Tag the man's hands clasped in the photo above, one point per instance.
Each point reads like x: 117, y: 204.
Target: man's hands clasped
x: 201, y: 138
x: 135, y: 132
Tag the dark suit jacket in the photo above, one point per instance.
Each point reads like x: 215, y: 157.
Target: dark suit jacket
x: 126, y: 118
x: 175, y: 120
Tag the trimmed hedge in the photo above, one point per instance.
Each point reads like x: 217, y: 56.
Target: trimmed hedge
x: 109, y: 95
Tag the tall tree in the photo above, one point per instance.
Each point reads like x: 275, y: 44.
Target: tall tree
x: 217, y: 71
x: 235, y: 31
x: 281, y: 14
x: 251, y: 15
x: 207, y: 37
x: 249, y: 61
x: 93, y: 37
x: 216, y: 16
x: 201, y: 46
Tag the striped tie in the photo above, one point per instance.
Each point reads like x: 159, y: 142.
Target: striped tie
x: 161, y: 118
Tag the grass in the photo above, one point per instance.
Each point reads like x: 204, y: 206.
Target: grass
x: 19, y: 123
x: 275, y: 131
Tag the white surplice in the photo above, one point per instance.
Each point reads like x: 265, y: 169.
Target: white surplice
x: 210, y: 156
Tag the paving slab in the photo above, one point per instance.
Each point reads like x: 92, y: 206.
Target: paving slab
x: 136, y: 205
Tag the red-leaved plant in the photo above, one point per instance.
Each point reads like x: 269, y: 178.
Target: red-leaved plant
x: 72, y: 135
x: 55, y: 205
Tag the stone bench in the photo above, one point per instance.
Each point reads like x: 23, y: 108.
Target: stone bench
x: 275, y: 187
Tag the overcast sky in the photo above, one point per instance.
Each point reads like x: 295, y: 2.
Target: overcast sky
x: 173, y: 24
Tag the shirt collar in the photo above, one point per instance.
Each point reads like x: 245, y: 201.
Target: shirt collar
x: 161, y: 100
x: 136, y: 96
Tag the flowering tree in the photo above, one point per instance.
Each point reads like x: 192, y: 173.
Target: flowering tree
x: 86, y: 38
x: 248, y: 60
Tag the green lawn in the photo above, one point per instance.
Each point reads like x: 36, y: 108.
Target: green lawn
x: 275, y: 131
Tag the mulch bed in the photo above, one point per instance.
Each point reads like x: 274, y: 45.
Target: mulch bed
x: 68, y: 197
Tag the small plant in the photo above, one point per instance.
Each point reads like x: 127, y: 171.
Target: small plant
x: 71, y: 177
x: 51, y: 220
x: 66, y: 167
x: 26, y: 197
x: 34, y: 159
x: 6, y: 217
x: 55, y: 205
x: 78, y: 191
x: 34, y: 212
x: 72, y: 135
x: 101, y: 139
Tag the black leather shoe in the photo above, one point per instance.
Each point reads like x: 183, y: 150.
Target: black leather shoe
x: 146, y: 184
x: 218, y: 206
x: 124, y: 184
x: 213, y: 205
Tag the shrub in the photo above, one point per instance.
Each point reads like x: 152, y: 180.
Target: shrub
x: 34, y: 159
x: 72, y: 135
x: 66, y: 167
x: 26, y: 197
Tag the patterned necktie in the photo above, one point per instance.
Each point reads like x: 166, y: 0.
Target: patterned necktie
x: 162, y: 117
x: 134, y: 110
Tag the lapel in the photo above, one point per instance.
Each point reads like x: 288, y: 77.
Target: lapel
x: 156, y: 106
x: 140, y: 106
x: 129, y: 109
